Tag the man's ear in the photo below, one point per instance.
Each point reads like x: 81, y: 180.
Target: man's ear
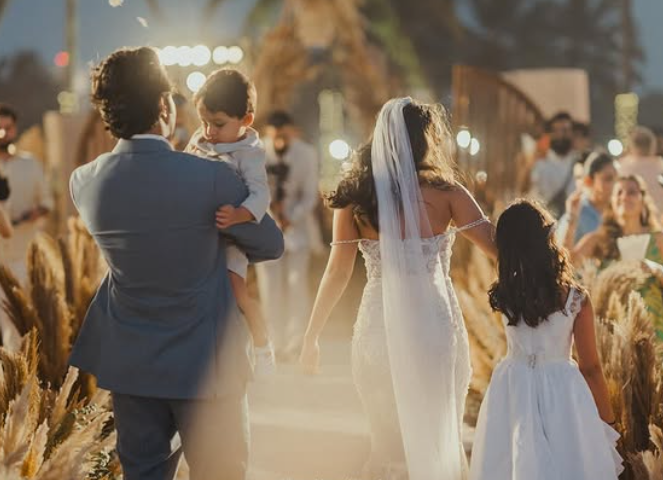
x: 248, y: 119
x: 164, y: 107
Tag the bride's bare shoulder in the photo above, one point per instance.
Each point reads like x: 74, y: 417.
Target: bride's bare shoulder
x: 448, y: 193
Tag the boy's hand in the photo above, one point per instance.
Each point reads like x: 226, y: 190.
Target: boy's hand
x: 225, y: 217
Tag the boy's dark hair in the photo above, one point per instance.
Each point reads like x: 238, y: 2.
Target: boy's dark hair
x: 228, y: 91
x: 558, y: 117
x: 8, y: 111
x: 127, y: 88
x: 279, y: 119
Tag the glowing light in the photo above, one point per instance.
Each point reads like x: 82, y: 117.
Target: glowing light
x: 220, y: 55
x: 481, y: 176
x: 195, y: 80
x: 61, y: 59
x: 201, y: 55
x: 3, y: 133
x: 235, y: 54
x: 464, y: 138
x: 184, y: 56
x: 339, y: 149
x: 11, y: 149
x: 475, y: 146
x: 615, y: 147
x: 169, y: 55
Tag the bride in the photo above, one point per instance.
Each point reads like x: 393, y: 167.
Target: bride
x: 410, y: 353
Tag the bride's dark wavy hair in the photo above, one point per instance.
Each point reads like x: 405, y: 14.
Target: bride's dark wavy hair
x: 534, y: 272
x: 431, y: 141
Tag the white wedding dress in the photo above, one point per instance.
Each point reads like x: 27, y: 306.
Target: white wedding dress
x: 370, y: 357
x: 410, y: 348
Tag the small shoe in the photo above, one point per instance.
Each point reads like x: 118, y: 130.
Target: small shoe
x: 265, y: 363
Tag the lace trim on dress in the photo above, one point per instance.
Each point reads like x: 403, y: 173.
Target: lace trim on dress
x: 574, y: 304
x: 476, y: 223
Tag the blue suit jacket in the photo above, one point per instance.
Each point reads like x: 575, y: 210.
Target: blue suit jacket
x: 164, y: 322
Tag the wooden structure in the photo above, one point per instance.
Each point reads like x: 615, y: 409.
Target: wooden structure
x: 497, y: 115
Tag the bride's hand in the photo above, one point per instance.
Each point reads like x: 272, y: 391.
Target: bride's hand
x: 309, y: 359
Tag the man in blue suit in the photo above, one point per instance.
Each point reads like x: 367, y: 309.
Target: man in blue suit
x: 163, y: 332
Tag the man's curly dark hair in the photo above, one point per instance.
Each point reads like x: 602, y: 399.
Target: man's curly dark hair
x: 127, y: 88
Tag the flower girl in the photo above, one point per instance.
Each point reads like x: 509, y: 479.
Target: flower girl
x: 538, y: 420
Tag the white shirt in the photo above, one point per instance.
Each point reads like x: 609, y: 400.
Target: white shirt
x: 28, y: 185
x: 550, y: 173
x: 301, y: 191
x: 247, y: 157
x: 150, y: 136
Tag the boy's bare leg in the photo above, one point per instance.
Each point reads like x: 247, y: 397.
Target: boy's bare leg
x: 251, y: 310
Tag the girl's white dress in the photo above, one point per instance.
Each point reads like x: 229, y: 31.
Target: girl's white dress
x: 538, y: 420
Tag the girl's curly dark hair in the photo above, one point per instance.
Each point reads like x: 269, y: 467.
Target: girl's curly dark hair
x: 127, y: 88
x: 533, y: 271
x: 611, y: 230
x: 430, y: 138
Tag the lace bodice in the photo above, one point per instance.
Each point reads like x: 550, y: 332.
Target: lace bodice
x: 550, y: 341
x: 437, y: 251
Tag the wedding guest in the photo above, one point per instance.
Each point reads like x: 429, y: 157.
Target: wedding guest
x: 585, y: 206
x: 30, y: 200
x: 552, y: 177
x: 292, y: 165
x: 642, y: 160
x: 631, y: 212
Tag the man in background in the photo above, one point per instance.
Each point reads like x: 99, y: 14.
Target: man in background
x: 292, y: 165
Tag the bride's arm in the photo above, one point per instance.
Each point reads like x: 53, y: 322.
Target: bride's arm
x: 464, y: 211
x: 334, y: 282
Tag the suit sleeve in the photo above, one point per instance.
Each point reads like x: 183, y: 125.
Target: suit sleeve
x: 259, y: 241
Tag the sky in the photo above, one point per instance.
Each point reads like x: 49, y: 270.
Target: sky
x: 39, y: 25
